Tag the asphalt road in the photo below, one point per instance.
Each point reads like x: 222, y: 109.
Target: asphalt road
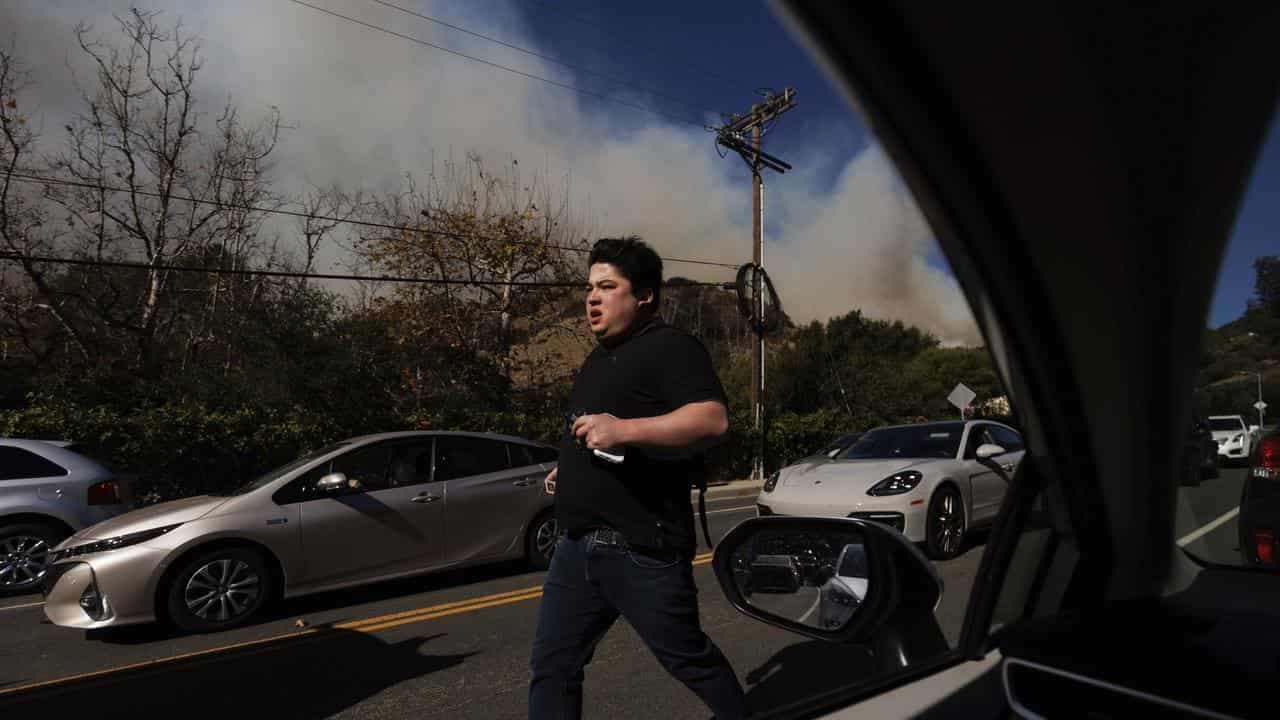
x: 453, y: 645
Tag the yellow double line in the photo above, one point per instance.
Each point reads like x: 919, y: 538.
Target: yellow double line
x: 365, y: 625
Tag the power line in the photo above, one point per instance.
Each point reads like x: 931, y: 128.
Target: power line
x: 23, y: 177
x: 628, y: 41
x: 311, y: 276
x: 548, y: 58
x: 521, y: 73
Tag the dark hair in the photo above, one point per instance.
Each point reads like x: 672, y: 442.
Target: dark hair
x: 635, y: 260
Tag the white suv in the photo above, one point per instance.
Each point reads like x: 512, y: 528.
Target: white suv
x: 1234, y: 437
x: 48, y: 491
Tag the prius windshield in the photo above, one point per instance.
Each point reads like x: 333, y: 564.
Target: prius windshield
x: 272, y: 475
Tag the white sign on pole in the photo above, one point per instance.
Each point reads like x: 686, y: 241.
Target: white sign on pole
x: 1259, y: 406
x: 961, y: 396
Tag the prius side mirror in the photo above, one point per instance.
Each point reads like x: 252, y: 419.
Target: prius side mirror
x: 836, y: 579
x: 332, y: 483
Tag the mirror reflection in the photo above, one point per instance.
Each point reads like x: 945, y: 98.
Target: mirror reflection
x: 815, y: 579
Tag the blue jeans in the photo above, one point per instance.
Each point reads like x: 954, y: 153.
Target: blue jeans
x: 587, y: 588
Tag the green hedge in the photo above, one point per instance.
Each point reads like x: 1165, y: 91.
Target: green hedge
x: 189, y: 449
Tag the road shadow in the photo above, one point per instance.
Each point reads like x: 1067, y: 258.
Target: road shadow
x: 332, y: 600
x: 313, y: 676
x: 803, y: 671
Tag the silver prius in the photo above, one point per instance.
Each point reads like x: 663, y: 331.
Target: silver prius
x: 358, y: 511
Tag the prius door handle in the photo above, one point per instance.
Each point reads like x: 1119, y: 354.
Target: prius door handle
x: 424, y: 498
x: 525, y: 482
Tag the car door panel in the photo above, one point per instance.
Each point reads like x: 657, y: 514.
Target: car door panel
x: 372, y: 533
x: 486, y: 510
x: 486, y: 513
x: 985, y: 486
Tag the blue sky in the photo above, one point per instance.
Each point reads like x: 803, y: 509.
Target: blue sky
x: 751, y: 49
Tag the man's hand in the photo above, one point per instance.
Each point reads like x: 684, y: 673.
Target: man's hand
x: 599, y: 432
x: 549, y: 482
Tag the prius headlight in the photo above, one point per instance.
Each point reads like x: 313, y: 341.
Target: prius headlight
x: 113, y: 543
x: 896, y: 484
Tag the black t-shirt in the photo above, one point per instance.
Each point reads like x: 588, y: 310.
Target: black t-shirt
x: 646, y: 498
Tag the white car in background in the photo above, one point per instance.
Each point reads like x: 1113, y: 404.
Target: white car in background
x: 925, y: 480
x: 1234, y: 436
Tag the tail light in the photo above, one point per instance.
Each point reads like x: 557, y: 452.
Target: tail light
x: 106, y: 492
x: 1268, y: 465
x: 1264, y: 542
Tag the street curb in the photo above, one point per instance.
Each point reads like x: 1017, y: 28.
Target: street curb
x: 735, y: 488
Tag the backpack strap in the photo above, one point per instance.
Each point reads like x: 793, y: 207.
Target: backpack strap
x: 702, y: 512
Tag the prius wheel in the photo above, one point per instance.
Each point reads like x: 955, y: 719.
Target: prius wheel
x: 944, y: 525
x: 544, y: 531
x: 24, y: 557
x: 218, y: 590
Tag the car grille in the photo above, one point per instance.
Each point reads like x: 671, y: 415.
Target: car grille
x: 894, y: 520
x: 51, y: 576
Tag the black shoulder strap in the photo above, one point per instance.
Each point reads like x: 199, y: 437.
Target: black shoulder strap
x: 702, y: 512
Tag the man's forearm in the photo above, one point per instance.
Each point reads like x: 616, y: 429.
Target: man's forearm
x: 692, y: 427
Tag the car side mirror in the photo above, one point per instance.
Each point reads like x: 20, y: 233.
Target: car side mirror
x: 835, y: 579
x: 989, y: 450
x: 332, y: 483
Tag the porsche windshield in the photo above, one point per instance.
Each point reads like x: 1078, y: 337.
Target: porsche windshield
x: 910, y: 441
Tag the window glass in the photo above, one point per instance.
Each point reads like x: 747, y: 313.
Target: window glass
x: 366, y: 467
x: 544, y: 454
x: 916, y: 441
x: 19, y: 464
x: 1228, y: 510
x: 410, y: 463
x: 460, y: 456
x: 979, y: 435
x: 1006, y: 438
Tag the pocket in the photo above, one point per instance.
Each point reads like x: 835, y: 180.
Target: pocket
x: 653, y: 560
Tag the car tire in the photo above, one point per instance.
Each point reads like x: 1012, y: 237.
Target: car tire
x: 218, y: 589
x: 944, y: 527
x: 24, y: 556
x: 540, y: 543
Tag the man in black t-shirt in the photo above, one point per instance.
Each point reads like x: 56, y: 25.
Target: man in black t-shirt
x: 644, y: 406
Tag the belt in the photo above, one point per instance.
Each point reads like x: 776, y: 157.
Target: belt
x: 605, y: 536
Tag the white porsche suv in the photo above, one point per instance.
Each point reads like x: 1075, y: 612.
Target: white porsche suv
x: 933, y: 482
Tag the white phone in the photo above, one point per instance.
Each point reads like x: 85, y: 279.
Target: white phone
x: 616, y: 457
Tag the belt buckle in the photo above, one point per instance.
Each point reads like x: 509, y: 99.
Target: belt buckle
x: 609, y: 537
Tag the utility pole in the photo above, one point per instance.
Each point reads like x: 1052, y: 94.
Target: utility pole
x: 733, y: 136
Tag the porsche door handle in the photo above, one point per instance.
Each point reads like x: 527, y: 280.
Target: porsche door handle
x: 424, y: 498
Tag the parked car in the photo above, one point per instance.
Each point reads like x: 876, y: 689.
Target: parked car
x: 1234, y: 437
x: 48, y: 490
x: 845, y: 590
x: 1260, y: 506
x: 1201, y: 453
x: 358, y: 511
x: 924, y: 480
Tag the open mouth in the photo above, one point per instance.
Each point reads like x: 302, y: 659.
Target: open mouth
x: 594, y: 316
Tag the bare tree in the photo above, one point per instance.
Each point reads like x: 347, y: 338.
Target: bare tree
x: 153, y: 185
x: 499, y: 230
